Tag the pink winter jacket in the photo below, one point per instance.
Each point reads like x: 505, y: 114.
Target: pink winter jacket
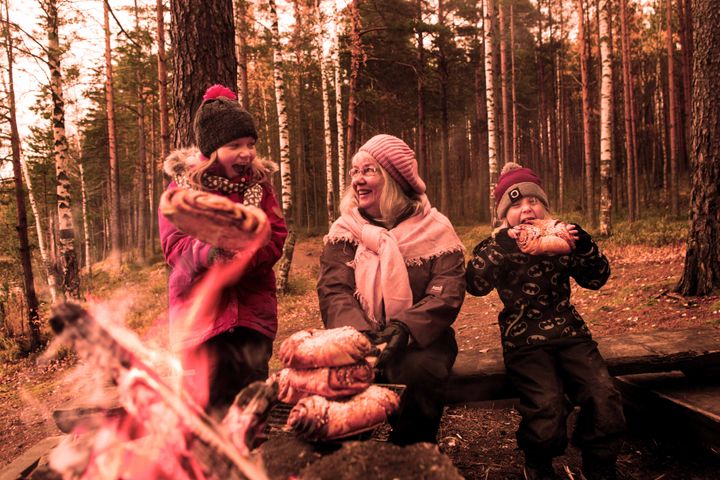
x: 252, y: 301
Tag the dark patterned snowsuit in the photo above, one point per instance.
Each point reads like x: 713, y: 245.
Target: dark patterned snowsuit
x: 549, y: 354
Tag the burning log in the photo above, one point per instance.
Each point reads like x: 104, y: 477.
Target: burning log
x: 174, y: 424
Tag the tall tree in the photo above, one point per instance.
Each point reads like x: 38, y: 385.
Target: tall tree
x: 357, y: 58
x: 506, y: 132
x: 337, y: 71
x: 606, y: 123
x: 444, y: 72
x: 114, y: 185
x: 420, y: 88
x: 583, y: 48
x: 69, y: 274
x: 628, y: 109
x: 203, y: 34
x: 701, y: 274
x: 672, y: 112
x: 327, y: 130
x: 241, y: 33
x: 285, y: 164
x: 488, y: 12
x: 22, y: 224
x: 513, y: 89
x: 162, y: 80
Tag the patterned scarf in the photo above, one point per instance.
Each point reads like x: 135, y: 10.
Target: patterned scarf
x: 382, y: 256
x: 250, y: 190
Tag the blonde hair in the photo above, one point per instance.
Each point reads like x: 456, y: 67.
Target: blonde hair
x: 195, y: 175
x: 394, y: 202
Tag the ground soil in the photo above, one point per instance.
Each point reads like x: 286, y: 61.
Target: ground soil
x: 478, y: 439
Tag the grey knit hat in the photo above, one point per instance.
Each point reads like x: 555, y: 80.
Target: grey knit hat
x: 220, y: 120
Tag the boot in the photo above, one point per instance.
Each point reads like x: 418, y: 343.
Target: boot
x: 539, y: 470
x: 599, y: 468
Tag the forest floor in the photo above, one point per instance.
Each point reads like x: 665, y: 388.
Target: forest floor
x: 478, y: 439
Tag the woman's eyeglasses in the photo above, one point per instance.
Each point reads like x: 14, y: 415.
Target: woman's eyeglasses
x: 366, y: 171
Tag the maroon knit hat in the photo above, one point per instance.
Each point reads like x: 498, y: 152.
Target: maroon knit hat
x: 220, y: 119
x: 516, y: 182
x: 398, y: 160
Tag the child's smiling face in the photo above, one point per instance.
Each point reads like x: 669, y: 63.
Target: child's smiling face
x: 524, y: 210
x: 234, y: 157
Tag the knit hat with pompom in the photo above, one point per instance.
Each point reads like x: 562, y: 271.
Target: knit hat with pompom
x: 398, y: 159
x: 220, y: 119
x: 516, y: 182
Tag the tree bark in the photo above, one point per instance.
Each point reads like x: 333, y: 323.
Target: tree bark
x: 589, y: 194
x: 672, y: 112
x: 488, y: 11
x: 628, y: 107
x: 86, y: 223
x: 285, y: 165
x: 701, y: 274
x: 514, y: 156
x: 241, y: 32
x: 21, y: 227
x: 204, y: 39
x: 420, y: 91
x: 507, y: 134
x: 606, y: 124
x: 70, y: 277
x: 162, y: 81
x: 444, y: 120
x: 335, y: 57
x: 327, y: 131
x: 356, y: 60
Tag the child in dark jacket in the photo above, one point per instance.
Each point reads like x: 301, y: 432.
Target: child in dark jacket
x: 238, y: 343
x: 549, y: 354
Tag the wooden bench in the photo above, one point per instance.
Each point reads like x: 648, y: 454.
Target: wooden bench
x: 478, y: 377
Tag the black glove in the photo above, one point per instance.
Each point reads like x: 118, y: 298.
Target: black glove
x: 396, y: 335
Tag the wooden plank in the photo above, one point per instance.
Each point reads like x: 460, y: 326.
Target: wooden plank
x: 674, y: 405
x: 29, y: 460
x: 481, y: 376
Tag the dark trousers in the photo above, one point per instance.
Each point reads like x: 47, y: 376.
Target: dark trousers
x: 234, y: 359
x: 546, y: 377
x: 425, y: 372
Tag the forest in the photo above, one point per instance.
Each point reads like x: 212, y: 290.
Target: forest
x: 613, y: 103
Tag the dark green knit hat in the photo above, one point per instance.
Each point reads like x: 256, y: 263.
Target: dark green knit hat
x: 220, y: 120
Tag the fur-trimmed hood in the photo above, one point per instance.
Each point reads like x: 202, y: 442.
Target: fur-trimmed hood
x: 179, y: 162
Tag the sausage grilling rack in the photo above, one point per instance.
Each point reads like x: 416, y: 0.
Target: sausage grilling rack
x: 278, y: 416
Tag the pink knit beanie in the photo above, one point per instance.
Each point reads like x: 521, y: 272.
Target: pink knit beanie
x: 516, y: 182
x: 398, y: 160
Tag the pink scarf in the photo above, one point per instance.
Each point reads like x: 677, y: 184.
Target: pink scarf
x: 382, y: 256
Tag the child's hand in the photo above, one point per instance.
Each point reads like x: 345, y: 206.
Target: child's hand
x: 544, y: 237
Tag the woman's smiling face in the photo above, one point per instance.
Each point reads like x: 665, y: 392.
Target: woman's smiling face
x: 367, y: 181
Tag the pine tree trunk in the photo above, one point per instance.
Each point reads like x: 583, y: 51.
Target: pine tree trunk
x: 685, y: 31
x: 672, y: 113
x: 481, y: 127
x: 21, y: 227
x: 506, y: 133
x: 514, y: 156
x: 490, y: 102
x: 162, y: 81
x: 356, y: 60
x: 241, y: 32
x: 204, y: 54
x: 606, y: 124
x: 420, y: 93
x: 589, y: 194
x: 701, y: 274
x: 114, y: 185
x: 628, y: 108
x: 444, y: 121
x: 285, y: 165
x: 70, y: 276
x: 327, y: 131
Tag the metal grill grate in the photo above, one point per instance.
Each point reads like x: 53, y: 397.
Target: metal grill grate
x: 278, y: 416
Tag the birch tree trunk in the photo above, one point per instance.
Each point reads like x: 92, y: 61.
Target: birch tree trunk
x: 241, y: 31
x: 606, y: 124
x: 672, y: 112
x: 587, y: 135
x: 21, y: 227
x: 285, y: 165
x: 83, y: 192
x: 335, y: 23
x: 327, y: 131
x: 114, y: 185
x: 701, y: 274
x: 488, y: 10
x: 70, y: 277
